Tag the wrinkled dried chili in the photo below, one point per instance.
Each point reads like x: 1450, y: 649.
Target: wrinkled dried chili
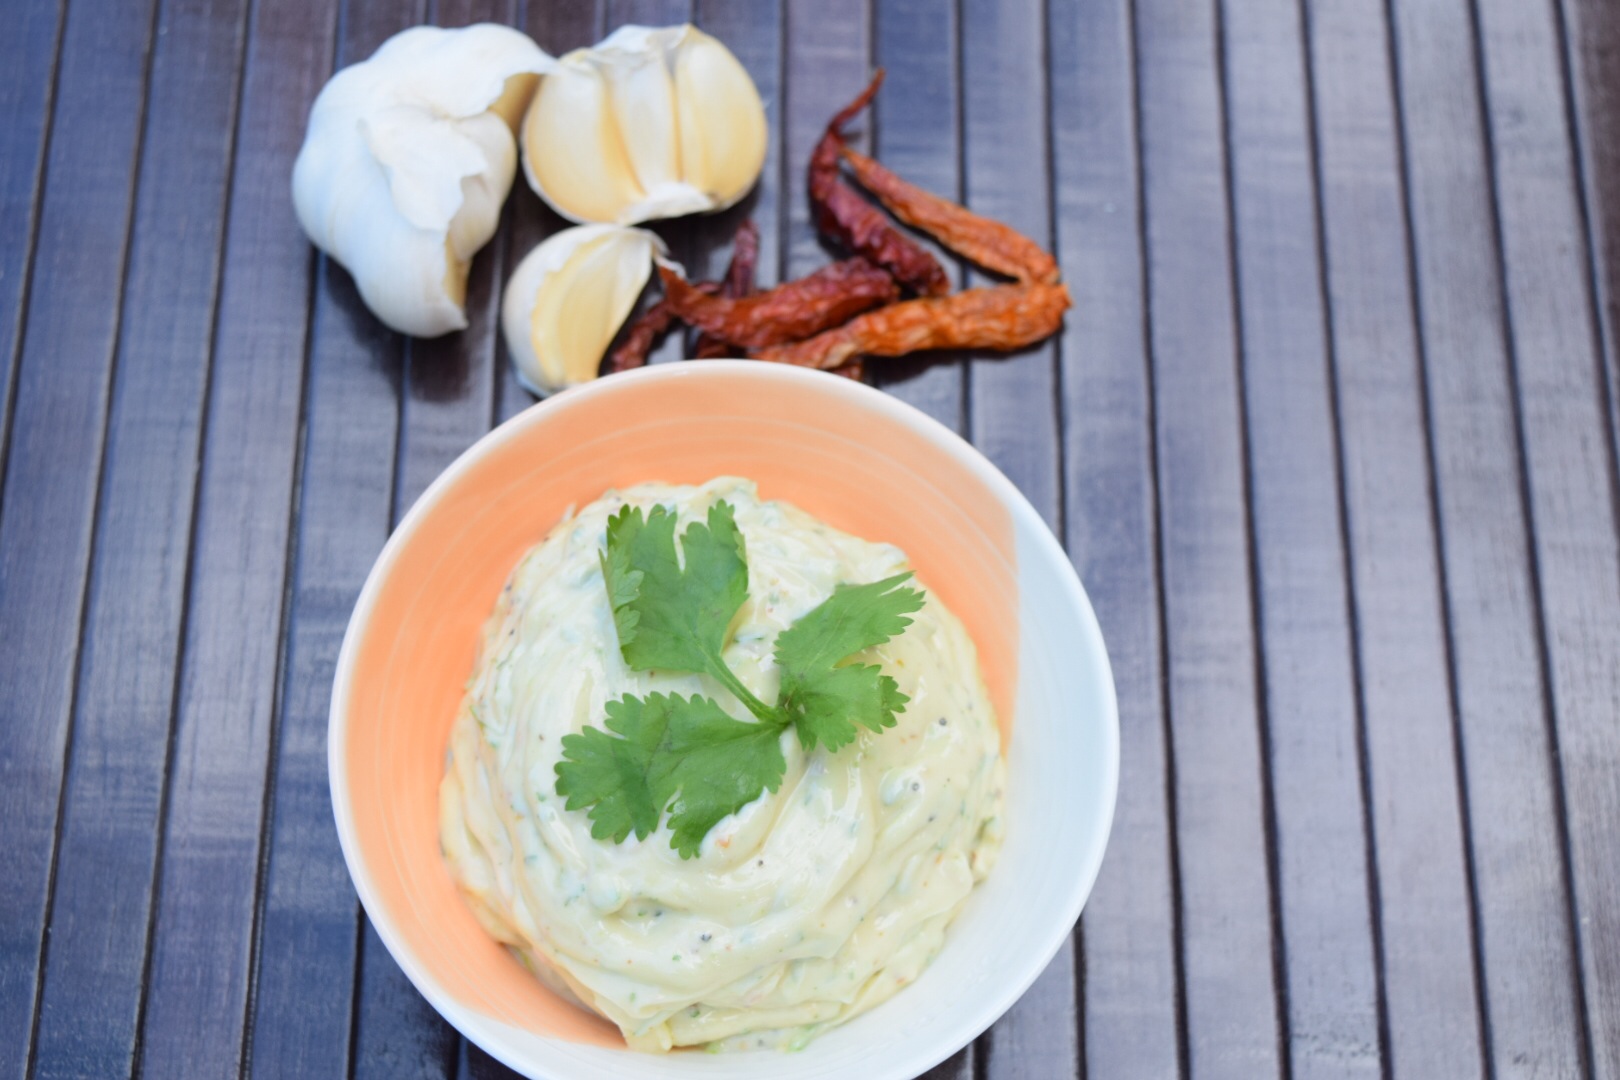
x: 840, y: 212
x: 647, y: 330
x: 991, y: 244
x: 738, y: 282
x: 790, y: 312
x: 1001, y: 317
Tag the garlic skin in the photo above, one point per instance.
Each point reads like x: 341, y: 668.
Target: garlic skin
x: 407, y: 160
x: 653, y: 122
x: 567, y: 299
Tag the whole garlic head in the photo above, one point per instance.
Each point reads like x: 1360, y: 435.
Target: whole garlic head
x: 653, y: 122
x: 407, y: 160
x: 567, y: 299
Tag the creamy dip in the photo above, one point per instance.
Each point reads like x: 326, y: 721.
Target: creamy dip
x: 803, y: 909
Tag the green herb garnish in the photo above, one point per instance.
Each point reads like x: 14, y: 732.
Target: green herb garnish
x: 688, y: 755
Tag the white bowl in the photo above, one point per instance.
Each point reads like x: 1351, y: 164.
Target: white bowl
x: 853, y: 456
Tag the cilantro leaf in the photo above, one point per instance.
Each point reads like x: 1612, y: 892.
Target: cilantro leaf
x: 672, y: 617
x: 665, y: 748
x: 821, y: 694
x: 687, y: 756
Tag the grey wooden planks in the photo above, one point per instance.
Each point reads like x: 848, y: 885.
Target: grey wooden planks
x: 53, y: 464
x: 308, y: 933
x: 1532, y: 1021
x: 95, y: 960
x: 28, y: 66
x: 1591, y: 41
x: 1227, y: 947
x: 1559, y: 380
x: 1311, y: 722
x: 1132, y: 1003
x: 198, y: 986
x: 1419, y: 847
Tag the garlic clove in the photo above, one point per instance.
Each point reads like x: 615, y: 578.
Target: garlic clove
x: 567, y: 299
x: 722, y: 127
x: 643, y: 99
x: 653, y: 122
x: 407, y: 159
x: 586, y: 175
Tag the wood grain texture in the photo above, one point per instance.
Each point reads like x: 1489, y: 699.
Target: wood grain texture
x: 1131, y: 1007
x: 1331, y: 434
x: 1558, y: 377
x: 28, y: 64
x: 1311, y: 717
x: 53, y: 468
x: 303, y: 995
x: 1591, y: 41
x: 1425, y: 907
x: 918, y: 45
x: 96, y: 956
x: 1226, y: 926
x: 201, y: 953
x: 1524, y: 940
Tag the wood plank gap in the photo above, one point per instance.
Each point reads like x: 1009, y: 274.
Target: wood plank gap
x: 784, y: 179
x: 1352, y: 610
x: 25, y: 291
x: 1262, y: 699
x: 1060, y: 523
x: 1526, y: 497
x: 1155, y: 473
x: 1453, y: 680
x: 1060, y: 469
x: 95, y: 517
x: 965, y: 418
x: 204, y: 422
x: 359, y: 962
x: 1603, y: 330
x: 289, y: 580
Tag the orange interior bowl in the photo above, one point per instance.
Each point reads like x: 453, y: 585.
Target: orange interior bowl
x: 847, y: 454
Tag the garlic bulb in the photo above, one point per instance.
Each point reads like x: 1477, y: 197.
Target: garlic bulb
x: 407, y: 160
x: 650, y: 123
x: 567, y: 299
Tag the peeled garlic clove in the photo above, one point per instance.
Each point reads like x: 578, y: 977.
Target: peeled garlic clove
x: 407, y: 160
x: 567, y: 299
x: 722, y: 150
x: 653, y: 122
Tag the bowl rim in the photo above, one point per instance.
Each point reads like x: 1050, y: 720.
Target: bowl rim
x: 1028, y: 523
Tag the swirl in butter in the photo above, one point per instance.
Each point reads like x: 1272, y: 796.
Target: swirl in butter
x: 803, y: 909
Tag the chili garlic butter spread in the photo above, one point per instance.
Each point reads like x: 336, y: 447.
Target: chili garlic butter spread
x: 805, y: 908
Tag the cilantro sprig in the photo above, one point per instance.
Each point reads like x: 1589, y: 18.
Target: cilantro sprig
x: 687, y: 755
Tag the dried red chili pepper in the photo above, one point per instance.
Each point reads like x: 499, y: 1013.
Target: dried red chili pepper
x: 991, y: 244
x: 791, y: 311
x: 738, y: 282
x: 1001, y: 317
x: 646, y: 331
x: 840, y: 212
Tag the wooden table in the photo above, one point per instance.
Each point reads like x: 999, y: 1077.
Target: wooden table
x: 1330, y: 435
